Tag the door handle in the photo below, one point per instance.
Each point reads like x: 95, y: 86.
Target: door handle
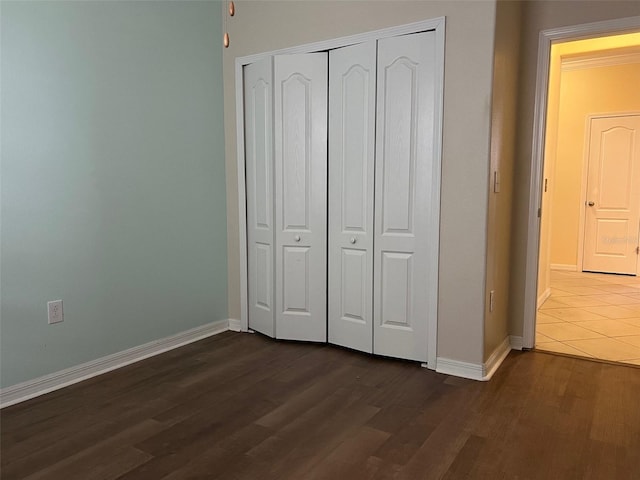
x: 296, y: 238
x: 591, y: 204
x: 352, y: 240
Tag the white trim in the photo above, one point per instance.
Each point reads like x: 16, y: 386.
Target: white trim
x: 242, y: 199
x: 438, y: 26
x: 584, y: 177
x: 575, y: 32
x: 476, y: 371
x: 598, y: 59
x: 495, y: 360
x: 457, y: 368
x: 235, y: 325
x: 543, y: 298
x: 563, y: 267
x: 516, y: 342
x: 433, y: 249
x: 54, y: 381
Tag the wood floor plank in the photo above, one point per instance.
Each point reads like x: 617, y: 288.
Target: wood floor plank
x: 37, y: 456
x: 240, y: 406
x: 349, y: 458
x: 106, y: 459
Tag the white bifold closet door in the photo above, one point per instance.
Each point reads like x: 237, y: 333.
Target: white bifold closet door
x: 376, y: 251
x: 352, y: 110
x: 403, y: 187
x: 258, y: 114
x: 285, y: 109
x: 300, y: 159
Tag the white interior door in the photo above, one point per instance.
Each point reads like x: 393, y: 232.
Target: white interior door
x: 612, y: 212
x: 258, y: 117
x: 300, y: 139
x: 352, y: 104
x: 404, y: 164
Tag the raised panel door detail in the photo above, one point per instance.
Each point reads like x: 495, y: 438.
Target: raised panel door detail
x: 258, y: 119
x: 616, y: 168
x: 396, y: 301
x: 296, y: 279
x: 355, y: 138
x: 296, y: 136
x: 612, y: 203
x: 399, y: 149
x: 263, y: 195
x: 354, y: 273
x: 352, y: 106
x: 264, y: 276
x: 611, y: 237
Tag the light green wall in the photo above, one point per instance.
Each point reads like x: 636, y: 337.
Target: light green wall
x: 113, y: 179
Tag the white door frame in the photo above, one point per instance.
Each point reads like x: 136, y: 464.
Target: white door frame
x: 438, y: 26
x: 547, y: 37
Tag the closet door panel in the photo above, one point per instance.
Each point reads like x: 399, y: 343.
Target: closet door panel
x: 404, y: 160
x: 300, y: 139
x: 258, y: 117
x: 352, y: 86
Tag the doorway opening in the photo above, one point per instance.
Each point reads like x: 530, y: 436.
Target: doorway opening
x: 588, y: 294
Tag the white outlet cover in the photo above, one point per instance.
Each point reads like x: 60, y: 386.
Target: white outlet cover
x: 55, y: 313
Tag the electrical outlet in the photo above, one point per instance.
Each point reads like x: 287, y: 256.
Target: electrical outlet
x: 492, y: 295
x: 54, y: 308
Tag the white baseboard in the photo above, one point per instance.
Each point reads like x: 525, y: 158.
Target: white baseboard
x: 54, y: 381
x: 459, y: 369
x: 516, y: 342
x: 563, y: 267
x: 475, y: 371
x: 543, y: 298
x: 234, y: 325
x: 497, y: 357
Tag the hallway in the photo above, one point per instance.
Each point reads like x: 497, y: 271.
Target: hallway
x: 591, y: 315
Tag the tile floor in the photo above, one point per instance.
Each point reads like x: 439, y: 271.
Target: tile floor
x: 591, y: 315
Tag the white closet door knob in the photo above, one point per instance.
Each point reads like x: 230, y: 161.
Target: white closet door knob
x: 352, y: 240
x: 297, y: 238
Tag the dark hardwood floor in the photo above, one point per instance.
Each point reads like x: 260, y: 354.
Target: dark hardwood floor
x: 241, y: 406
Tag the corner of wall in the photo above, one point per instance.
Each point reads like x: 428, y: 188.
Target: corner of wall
x: 500, y: 194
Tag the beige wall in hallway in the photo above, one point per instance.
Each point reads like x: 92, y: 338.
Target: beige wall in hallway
x: 541, y: 15
x: 261, y: 26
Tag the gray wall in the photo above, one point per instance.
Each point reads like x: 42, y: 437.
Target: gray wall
x: 261, y: 26
x: 113, y: 178
x: 503, y: 141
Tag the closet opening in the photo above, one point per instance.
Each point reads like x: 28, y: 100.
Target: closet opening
x: 339, y: 152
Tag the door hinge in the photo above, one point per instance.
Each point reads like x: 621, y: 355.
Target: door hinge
x: 637, y: 250
x: 539, y: 212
